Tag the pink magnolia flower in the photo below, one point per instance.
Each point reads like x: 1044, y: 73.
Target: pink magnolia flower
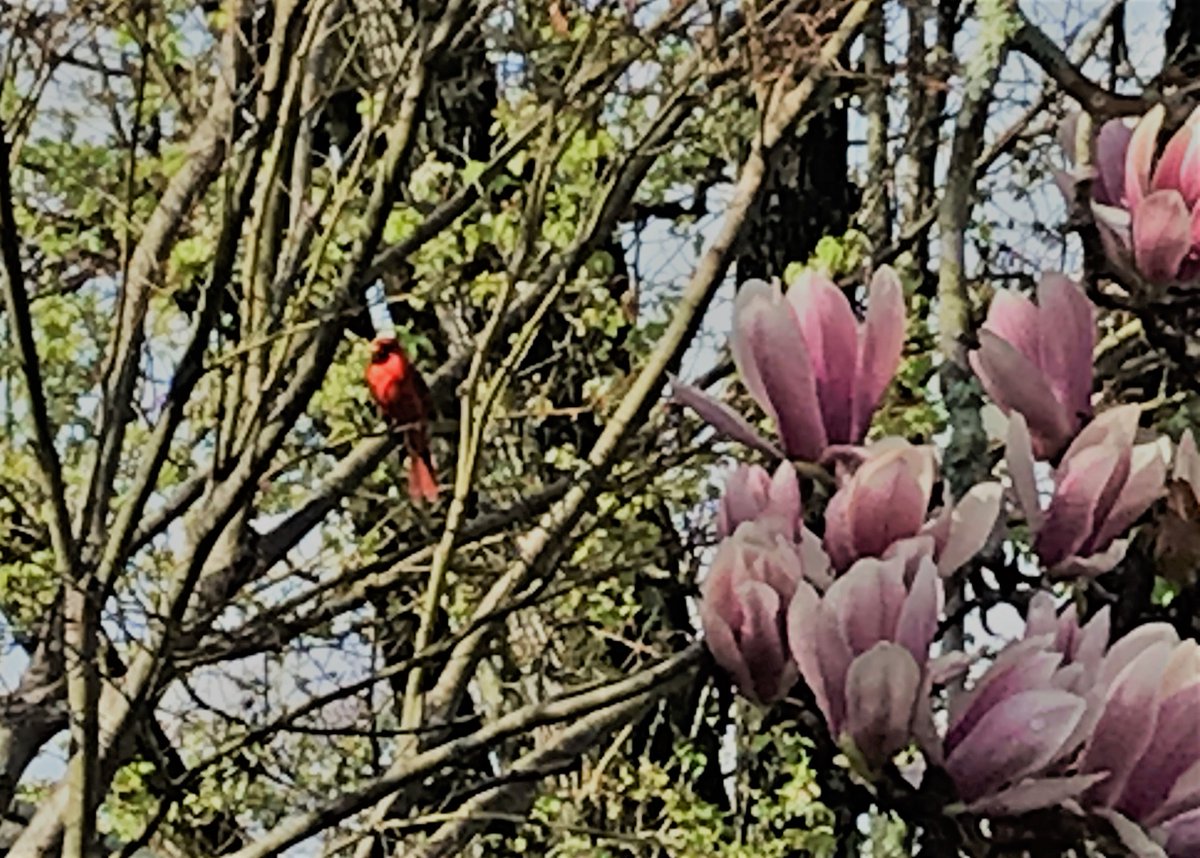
x: 1145, y: 199
x: 1146, y: 741
x: 863, y: 650
x: 1011, y: 738
x: 1101, y: 487
x: 815, y: 370
x: 744, y: 603
x: 753, y: 494
x: 886, y: 502
x: 1037, y: 359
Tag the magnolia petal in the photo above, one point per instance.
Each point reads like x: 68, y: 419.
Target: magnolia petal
x: 1041, y: 618
x: 1162, y: 235
x: 720, y: 640
x: 917, y: 623
x: 1066, y: 340
x: 1143, y: 486
x: 1014, y: 739
x: 1016, y: 384
x: 753, y: 298
x: 803, y: 627
x: 1131, y: 835
x: 889, y: 496
x: 1132, y: 645
x: 721, y: 417
x: 880, y: 348
x: 1033, y: 794
x: 1189, y: 170
x: 1126, y: 725
x: 1167, y: 172
x: 775, y: 366
x: 1093, y: 565
x: 1116, y: 426
x: 1187, y: 462
x: 1183, y: 797
x: 839, y: 536
x: 1140, y: 155
x: 1116, y: 234
x: 1174, y: 746
x: 1112, y: 142
x: 881, y: 689
x: 830, y: 334
x: 1071, y: 515
x: 814, y: 560
x: 1014, y: 318
x: 1183, y: 834
x: 971, y: 524
x: 744, y: 497
x: 1019, y: 455
x: 1024, y: 669
x: 762, y: 646
x: 1092, y: 639
x: 867, y: 602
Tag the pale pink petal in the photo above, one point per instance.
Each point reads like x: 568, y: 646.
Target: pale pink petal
x: 1132, y: 645
x: 814, y: 560
x: 720, y: 640
x: 888, y: 502
x: 754, y: 298
x: 1183, y: 669
x: 839, y: 536
x: 762, y: 644
x: 1013, y: 740
x: 881, y: 690
x: 880, y: 348
x: 971, y: 524
x: 1014, y: 318
x: 1131, y: 835
x: 1139, y: 155
x: 1167, y: 173
x: 831, y: 338
x: 803, y: 625
x: 1174, y: 747
x: 1116, y: 234
x: 1189, y: 170
x: 1071, y: 516
x: 867, y: 602
x: 1041, y: 618
x: 1183, y: 834
x: 1162, y: 235
x: 1093, y: 565
x: 1019, y: 455
x: 1143, y: 486
x: 1033, y: 794
x: 1111, y: 145
x: 918, y: 619
x: 1067, y: 337
x: 1184, y: 795
x: 776, y: 368
x: 1187, y: 462
x: 1021, y: 667
x: 1116, y: 426
x: 721, y: 417
x: 1127, y: 724
x: 744, y: 498
x: 1092, y: 640
x: 1016, y: 384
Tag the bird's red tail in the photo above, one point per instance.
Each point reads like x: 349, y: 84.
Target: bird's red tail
x: 422, y: 481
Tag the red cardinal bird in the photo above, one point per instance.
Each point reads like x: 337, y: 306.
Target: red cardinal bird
x: 403, y: 397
